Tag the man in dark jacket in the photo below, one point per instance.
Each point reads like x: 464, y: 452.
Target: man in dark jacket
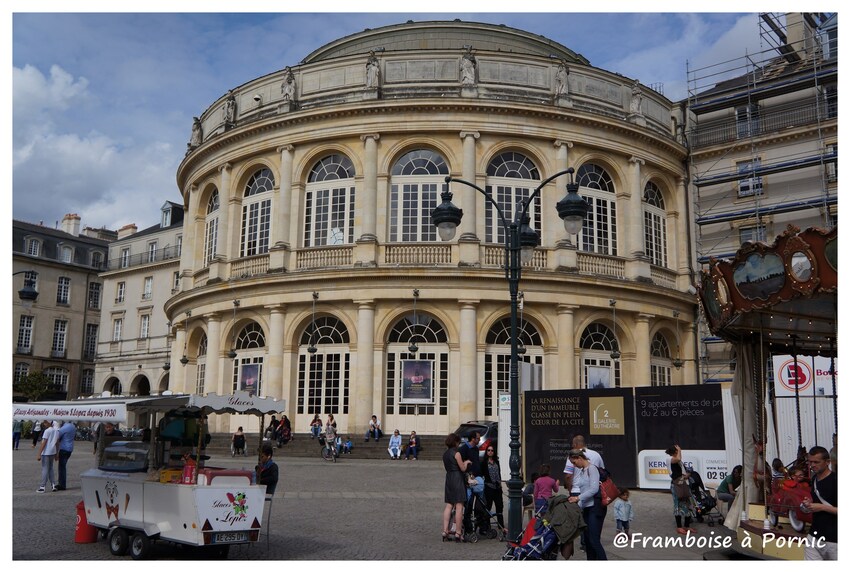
x: 469, y: 451
x: 267, y: 472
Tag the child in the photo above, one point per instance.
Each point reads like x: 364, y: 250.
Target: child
x: 347, y: 445
x: 624, y: 512
x: 544, y: 487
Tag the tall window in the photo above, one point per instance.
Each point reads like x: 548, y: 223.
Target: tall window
x: 25, y: 334
x: 63, y: 290
x: 60, y: 330
x: 119, y: 291
x: 200, y: 377
x: 599, y: 233
x: 497, y: 358
x: 832, y: 164
x: 747, y: 120
x: 417, y: 178
x: 144, y: 326
x: 152, y: 252
x: 511, y: 177
x: 175, y: 282
x: 125, y: 258
x: 250, y: 347
x: 433, y: 353
x: 323, y: 377
x: 211, y: 227
x: 117, y: 326
x: 33, y: 247
x: 755, y: 234
x: 97, y: 259
x: 654, y: 225
x: 598, y: 368
x: 147, y: 290
x: 329, y: 203
x: 94, y: 295
x: 659, y: 368
x: 67, y: 254
x: 749, y: 184
x: 90, y: 343
x: 256, y: 214
x: 87, y: 382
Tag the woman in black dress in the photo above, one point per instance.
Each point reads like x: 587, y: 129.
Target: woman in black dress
x: 455, y: 488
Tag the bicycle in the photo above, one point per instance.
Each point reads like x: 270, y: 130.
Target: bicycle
x: 329, y: 451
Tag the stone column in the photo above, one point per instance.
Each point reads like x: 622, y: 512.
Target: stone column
x: 640, y: 377
x: 552, y: 225
x: 193, y: 228
x: 231, y: 202
x: 469, y: 197
x: 274, y: 384
x: 637, y: 268
x: 366, y: 389
x: 468, y: 353
x: 679, y: 236
x: 366, y: 251
x: 213, y: 378
x: 566, y: 371
x: 281, y: 213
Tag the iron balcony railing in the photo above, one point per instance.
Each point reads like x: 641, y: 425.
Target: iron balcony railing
x: 146, y: 258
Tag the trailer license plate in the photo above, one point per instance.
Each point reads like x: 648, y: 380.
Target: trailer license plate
x: 230, y: 537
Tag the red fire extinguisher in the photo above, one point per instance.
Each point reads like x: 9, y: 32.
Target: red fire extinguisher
x: 190, y: 471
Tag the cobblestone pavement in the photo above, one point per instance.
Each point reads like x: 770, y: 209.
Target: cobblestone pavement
x: 350, y: 510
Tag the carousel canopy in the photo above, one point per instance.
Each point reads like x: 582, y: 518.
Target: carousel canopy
x: 786, y: 293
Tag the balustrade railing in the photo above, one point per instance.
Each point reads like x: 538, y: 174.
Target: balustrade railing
x: 321, y: 257
x: 249, y: 266
x: 419, y: 254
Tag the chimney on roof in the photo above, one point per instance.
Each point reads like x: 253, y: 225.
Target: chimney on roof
x: 127, y: 230
x: 801, y: 35
x: 71, y: 224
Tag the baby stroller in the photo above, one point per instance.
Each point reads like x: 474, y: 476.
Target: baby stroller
x: 705, y: 505
x: 538, y: 542
x: 237, y: 446
x: 477, y: 520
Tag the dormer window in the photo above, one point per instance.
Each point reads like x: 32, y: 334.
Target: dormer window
x: 33, y: 247
x: 67, y: 254
x: 166, y: 216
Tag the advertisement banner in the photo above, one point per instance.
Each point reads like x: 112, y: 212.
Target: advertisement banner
x: 811, y: 374
x: 605, y: 417
x: 249, y: 378
x: 690, y: 416
x: 417, y: 382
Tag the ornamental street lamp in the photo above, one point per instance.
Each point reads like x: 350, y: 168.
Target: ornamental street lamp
x: 520, y: 241
x: 28, y: 294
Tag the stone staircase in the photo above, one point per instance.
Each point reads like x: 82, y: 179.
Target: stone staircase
x: 302, y: 446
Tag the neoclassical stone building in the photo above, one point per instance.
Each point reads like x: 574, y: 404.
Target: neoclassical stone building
x: 308, y: 194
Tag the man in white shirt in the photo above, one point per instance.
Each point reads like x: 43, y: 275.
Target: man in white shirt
x: 47, y: 453
x: 592, y: 456
x: 374, y: 428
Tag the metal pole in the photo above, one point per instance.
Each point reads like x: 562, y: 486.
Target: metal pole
x: 515, y: 482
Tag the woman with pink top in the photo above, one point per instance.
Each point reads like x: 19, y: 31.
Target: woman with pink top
x: 544, y: 487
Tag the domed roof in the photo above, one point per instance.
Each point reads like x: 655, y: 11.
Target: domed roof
x: 445, y: 35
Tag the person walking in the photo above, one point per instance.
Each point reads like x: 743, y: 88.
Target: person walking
x: 36, y: 432
x: 492, y: 474
x: 17, y: 428
x: 586, y: 477
x: 624, y: 512
x: 822, y: 541
x: 681, y: 507
x: 66, y: 434
x: 46, y: 455
x: 455, y: 490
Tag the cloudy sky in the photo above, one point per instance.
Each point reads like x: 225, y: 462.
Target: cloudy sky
x: 103, y: 103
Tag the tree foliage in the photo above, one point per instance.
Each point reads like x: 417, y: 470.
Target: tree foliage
x: 34, y: 385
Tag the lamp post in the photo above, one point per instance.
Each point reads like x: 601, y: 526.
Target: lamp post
x: 28, y: 294
x: 520, y: 241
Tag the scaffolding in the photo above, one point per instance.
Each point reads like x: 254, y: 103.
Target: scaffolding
x: 730, y: 129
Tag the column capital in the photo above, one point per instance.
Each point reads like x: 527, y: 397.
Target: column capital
x: 275, y: 308
x: 288, y: 147
x: 212, y: 316
x: 193, y: 188
x: 643, y: 317
x: 225, y: 167
x: 365, y: 303
x: 567, y: 308
x: 468, y: 303
x: 373, y: 136
x: 560, y: 142
x: 637, y: 160
x: 465, y: 134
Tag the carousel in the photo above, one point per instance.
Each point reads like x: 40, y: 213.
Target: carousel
x: 777, y: 305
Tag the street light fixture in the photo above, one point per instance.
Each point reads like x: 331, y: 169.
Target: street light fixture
x: 28, y: 294
x: 311, y: 348
x: 412, y: 346
x: 520, y: 241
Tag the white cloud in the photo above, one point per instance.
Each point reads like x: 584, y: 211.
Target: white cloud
x: 37, y: 99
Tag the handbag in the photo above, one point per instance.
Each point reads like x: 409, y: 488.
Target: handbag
x: 681, y: 485
x: 608, y: 490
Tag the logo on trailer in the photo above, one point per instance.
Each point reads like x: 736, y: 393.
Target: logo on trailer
x: 793, y: 376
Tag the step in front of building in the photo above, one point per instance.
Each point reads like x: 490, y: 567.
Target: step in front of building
x: 304, y: 446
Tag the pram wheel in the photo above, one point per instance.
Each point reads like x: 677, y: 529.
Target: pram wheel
x: 472, y: 537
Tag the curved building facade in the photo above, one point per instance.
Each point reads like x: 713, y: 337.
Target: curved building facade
x: 310, y: 262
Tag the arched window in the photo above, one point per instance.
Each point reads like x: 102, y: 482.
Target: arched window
x: 599, y: 369
x: 497, y: 358
x: 250, y: 349
x: 329, y: 203
x: 324, y: 375
x: 211, y: 228
x: 200, y: 376
x: 97, y: 259
x: 417, y: 178
x: 431, y: 361
x: 511, y: 177
x: 256, y: 214
x: 599, y: 234
x: 659, y: 368
x: 654, y: 225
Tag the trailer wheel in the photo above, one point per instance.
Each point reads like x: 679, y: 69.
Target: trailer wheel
x: 140, y: 546
x: 119, y: 541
